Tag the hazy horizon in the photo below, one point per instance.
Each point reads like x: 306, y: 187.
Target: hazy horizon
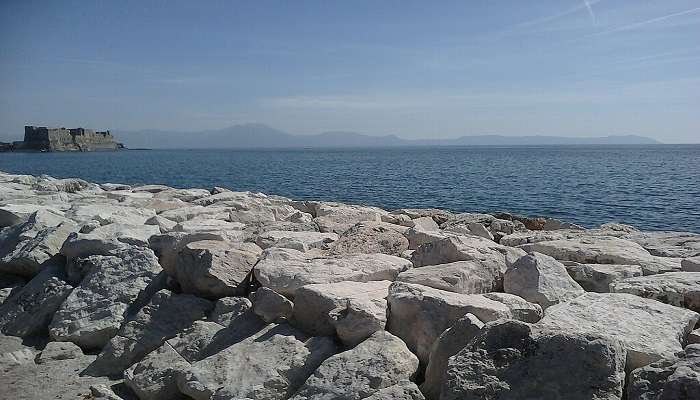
x: 581, y: 69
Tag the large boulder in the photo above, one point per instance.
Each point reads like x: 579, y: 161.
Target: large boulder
x: 675, y: 378
x: 106, y: 214
x: 540, y: 279
x: 26, y: 248
x: 187, y: 213
x: 417, y: 236
x: 404, y: 390
x: 510, y: 360
x: 286, y: 270
x: 352, y: 310
x: 96, y: 309
x: 419, y: 314
x: 164, y: 316
x: 271, y: 364
x: 167, y: 246
x: 215, y: 269
x: 232, y: 229
x: 336, y: 217
x: 604, y: 250
x: 681, y: 289
x: 379, y: 362
x: 650, y: 330
x: 598, y: 277
x: 13, y: 214
x: 668, y: 244
x: 105, y: 239
x: 370, y: 238
x: 29, y: 311
x: 493, y: 256
x: 302, y: 240
x: 270, y: 305
x: 691, y: 264
x: 450, y: 342
x: 467, y: 277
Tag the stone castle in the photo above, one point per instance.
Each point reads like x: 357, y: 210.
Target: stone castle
x: 42, y: 138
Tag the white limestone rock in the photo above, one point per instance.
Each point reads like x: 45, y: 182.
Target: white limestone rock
x: 404, y: 390
x: 107, y: 214
x: 668, y: 244
x: 371, y: 238
x: 302, y: 240
x: 337, y: 217
x: 352, y: 310
x: 210, y: 225
x: 419, y: 314
x: 271, y: 364
x: 164, y: 316
x: 680, y: 289
x: 379, y: 362
x: 417, y: 236
x: 675, y: 378
x: 227, y: 309
x: 426, y: 224
x: 510, y: 359
x: 165, y: 225
x: 286, y: 270
x: 167, y: 246
x: 604, y: 250
x: 13, y: 214
x: 95, y: 310
x: 521, y: 309
x: 270, y: 305
x: 598, y: 277
x: 187, y: 213
x: 450, y: 342
x: 467, y: 248
x: 691, y: 264
x: 105, y: 239
x: 650, y: 330
x: 466, y: 277
x: 29, y: 312
x: 215, y: 269
x: 540, y: 279
x: 58, y: 351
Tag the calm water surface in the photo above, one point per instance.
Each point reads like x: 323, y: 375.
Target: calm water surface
x: 652, y: 187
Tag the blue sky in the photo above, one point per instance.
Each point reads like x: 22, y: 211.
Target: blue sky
x: 415, y: 69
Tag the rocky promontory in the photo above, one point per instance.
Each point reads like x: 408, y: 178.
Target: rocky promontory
x: 149, y: 292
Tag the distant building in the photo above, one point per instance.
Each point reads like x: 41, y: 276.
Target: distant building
x: 41, y: 138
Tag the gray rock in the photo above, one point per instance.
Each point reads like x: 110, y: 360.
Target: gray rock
x: 29, y: 312
x: 286, y: 270
x: 424, y: 224
x: 650, y: 330
x: 155, y: 377
x: 283, y: 359
x: 215, y: 269
x: 13, y: 352
x: 493, y: 256
x: 58, y: 351
x: 204, y: 224
x: 352, y: 310
x: 694, y: 337
x: 691, y: 264
x: 191, y: 212
x: 9, y: 285
x: 417, y: 236
x: 270, y: 305
x: 96, y: 309
x: 510, y: 360
x: 450, y: 342
x: 680, y: 289
x: 164, y: 224
x: 106, y: 239
x: 467, y: 277
x: 598, y: 277
x: 540, y: 279
x: 107, y: 214
x: 404, y: 390
x: 604, y: 250
x: 379, y: 362
x: 419, y: 314
x: 336, y: 217
x: 13, y: 214
x: 668, y: 244
x: 162, y: 318
x: 370, y: 238
x: 521, y: 309
x: 302, y: 240
x: 228, y: 309
x: 675, y: 378
x: 167, y: 246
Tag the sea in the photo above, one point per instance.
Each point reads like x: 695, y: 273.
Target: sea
x: 653, y: 187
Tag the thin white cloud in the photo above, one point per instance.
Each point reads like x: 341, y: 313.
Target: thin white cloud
x: 590, y: 10
x: 640, y: 24
x: 586, y: 5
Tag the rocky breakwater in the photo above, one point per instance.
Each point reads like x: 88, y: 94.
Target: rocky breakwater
x: 151, y: 292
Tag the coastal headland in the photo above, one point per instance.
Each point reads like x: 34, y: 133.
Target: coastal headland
x: 116, y: 291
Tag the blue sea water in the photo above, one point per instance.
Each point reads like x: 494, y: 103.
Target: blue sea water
x: 652, y: 187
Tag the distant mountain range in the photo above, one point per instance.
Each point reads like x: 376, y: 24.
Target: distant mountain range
x: 263, y: 136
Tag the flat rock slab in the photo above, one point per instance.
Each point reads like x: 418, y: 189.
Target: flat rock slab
x: 598, y: 277
x: 668, y: 244
x: 369, y: 238
x: 604, y: 250
x: 691, y: 264
x: 30, y: 311
x: 650, y: 330
x: 164, y: 316
x: 321, y: 309
x: 271, y: 364
x: 286, y: 270
x: 510, y: 360
x: 672, y: 378
x: 680, y: 289
x: 301, y: 240
x: 215, y: 269
x: 379, y: 362
x: 419, y: 314
x: 105, y: 239
x: 96, y: 308
x: 466, y: 277
x: 540, y: 279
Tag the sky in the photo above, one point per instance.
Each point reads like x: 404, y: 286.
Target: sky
x: 415, y: 69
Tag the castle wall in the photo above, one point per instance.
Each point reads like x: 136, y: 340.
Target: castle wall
x: 61, y: 139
